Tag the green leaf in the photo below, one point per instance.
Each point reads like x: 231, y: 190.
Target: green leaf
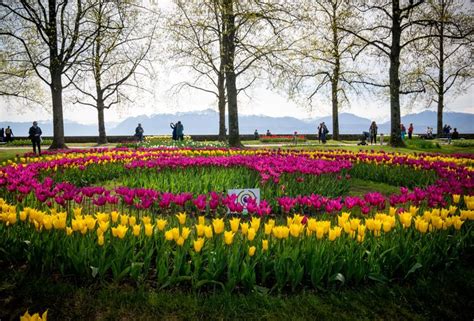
x: 413, y: 269
x: 94, y: 271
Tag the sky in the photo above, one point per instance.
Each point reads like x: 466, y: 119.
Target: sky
x: 259, y: 101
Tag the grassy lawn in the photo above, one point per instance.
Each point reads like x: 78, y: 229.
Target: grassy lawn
x: 440, y: 296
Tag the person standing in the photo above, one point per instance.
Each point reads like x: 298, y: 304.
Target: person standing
x: 2, y: 134
x: 179, y: 131
x: 8, y: 134
x: 256, y: 136
x: 35, y: 136
x: 373, y: 133
x: 320, y: 130
x: 139, y: 132
x: 410, y: 131
x: 324, y: 132
x: 173, y: 133
x: 403, y: 131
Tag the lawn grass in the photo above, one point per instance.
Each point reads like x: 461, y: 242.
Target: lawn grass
x: 440, y: 296
x: 10, y: 154
x: 360, y: 187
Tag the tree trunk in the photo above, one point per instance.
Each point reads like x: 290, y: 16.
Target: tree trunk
x: 439, y: 125
x: 58, y: 122
x: 100, y: 109
x: 55, y: 70
x: 335, y: 75
x: 335, y: 107
x: 230, y: 77
x: 221, y: 103
x: 395, y: 119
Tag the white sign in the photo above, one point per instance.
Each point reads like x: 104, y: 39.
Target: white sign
x: 243, y: 196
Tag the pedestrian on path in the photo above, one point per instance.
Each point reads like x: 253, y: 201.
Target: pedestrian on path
x: 373, y: 133
x: 8, y: 134
x: 35, y: 136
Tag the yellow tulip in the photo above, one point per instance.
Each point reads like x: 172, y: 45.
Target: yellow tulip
x: 457, y: 222
x: 185, y: 232
x: 114, y: 216
x: 180, y: 241
x: 252, y: 250
x: 251, y: 234
x: 104, y: 226
x: 198, y: 244
x: 228, y: 237
x: 456, y: 198
x: 161, y: 223
x: 148, y: 229
x: 169, y: 235
x: 68, y: 231
x: 218, y: 224
x: 181, y: 218
x: 354, y: 223
x: 332, y: 234
x: 255, y: 223
x: 268, y: 229
x: 23, y: 215
x: 296, y: 229
x: 119, y: 231
x: 124, y: 219
x: 132, y: 220
x: 208, y: 231
x: 234, y: 224
x: 136, y: 230
x: 200, y: 229
x: 34, y: 317
x: 146, y: 220
x: 77, y: 211
x: 202, y: 220
x: 100, y: 240
x: 244, y: 227
x: 264, y: 245
x: 175, y: 232
x: 271, y: 222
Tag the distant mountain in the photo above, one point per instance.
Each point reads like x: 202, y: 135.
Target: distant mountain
x: 206, y: 122
x: 70, y: 128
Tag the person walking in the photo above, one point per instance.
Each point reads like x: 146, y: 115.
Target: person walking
x: 256, y: 136
x: 320, y: 130
x: 410, y: 131
x: 35, y: 136
x: 139, y: 132
x: 8, y: 134
x: 179, y: 131
x: 403, y: 131
x: 373, y: 133
x: 173, y: 133
x: 324, y: 132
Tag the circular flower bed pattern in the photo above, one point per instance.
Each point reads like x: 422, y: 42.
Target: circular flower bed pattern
x: 164, y: 215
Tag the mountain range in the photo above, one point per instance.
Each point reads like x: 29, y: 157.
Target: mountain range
x: 206, y: 122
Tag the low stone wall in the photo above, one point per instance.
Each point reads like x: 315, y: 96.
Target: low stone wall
x: 119, y: 139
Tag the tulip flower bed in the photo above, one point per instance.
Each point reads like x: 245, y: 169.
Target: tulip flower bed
x: 163, y: 215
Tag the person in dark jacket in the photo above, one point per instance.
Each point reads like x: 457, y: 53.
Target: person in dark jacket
x: 2, y: 134
x: 179, y: 131
x: 373, y: 133
x: 410, y: 131
x: 455, y: 134
x: 35, y: 136
x: 139, y: 132
x: 8, y: 134
x: 173, y: 127
x: 324, y: 132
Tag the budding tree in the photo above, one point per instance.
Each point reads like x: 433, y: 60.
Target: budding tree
x: 52, y: 35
